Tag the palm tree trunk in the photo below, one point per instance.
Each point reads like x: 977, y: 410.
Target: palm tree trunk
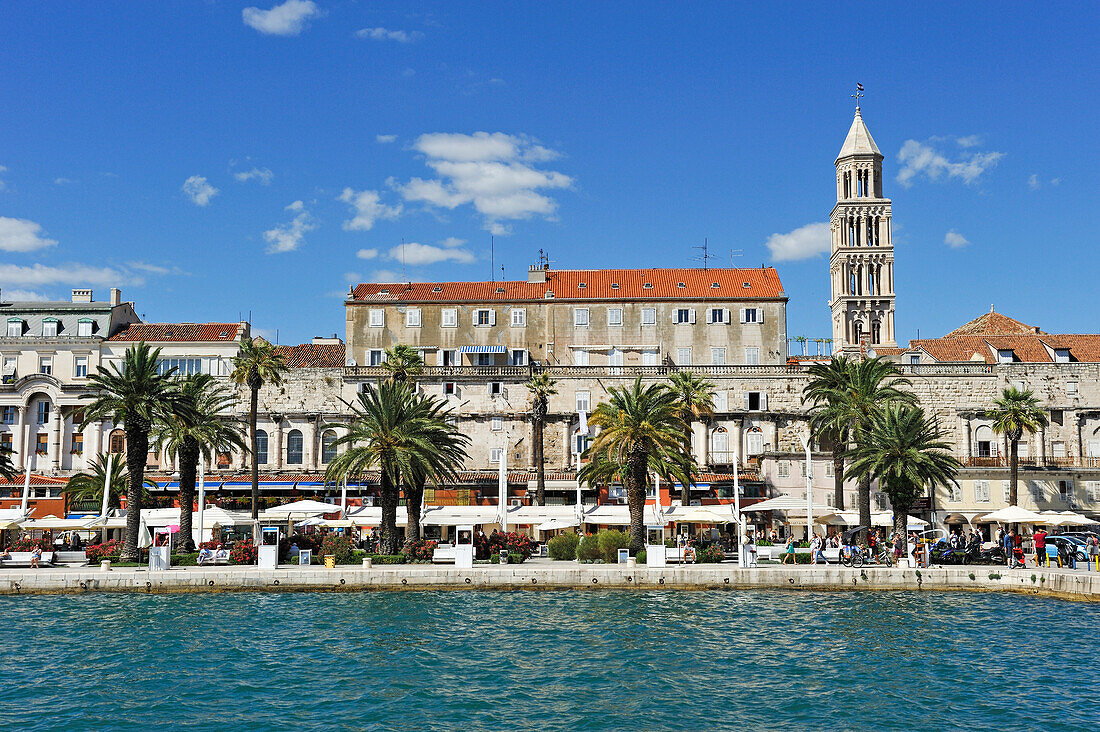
x: 252, y: 407
x: 389, y: 499
x: 838, y: 480
x: 635, y: 484
x: 137, y: 453
x: 540, y: 464
x: 1013, y: 470
x: 414, y: 497
x: 189, y: 462
x: 865, y: 502
x: 901, y: 526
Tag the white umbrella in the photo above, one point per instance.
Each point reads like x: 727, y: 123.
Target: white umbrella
x: 1065, y: 518
x: 1013, y: 515
x: 299, y: 508
x: 795, y: 504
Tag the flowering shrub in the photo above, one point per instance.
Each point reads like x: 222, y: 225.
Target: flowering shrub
x: 709, y: 555
x: 304, y: 541
x: 339, y: 546
x: 107, y: 550
x: 420, y: 551
x: 243, y: 552
x: 511, y: 542
x: 27, y: 544
x: 212, y: 544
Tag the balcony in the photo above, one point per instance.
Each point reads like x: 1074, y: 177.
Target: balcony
x: 1001, y: 461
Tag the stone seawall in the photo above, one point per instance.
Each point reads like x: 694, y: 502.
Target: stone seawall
x: 540, y: 576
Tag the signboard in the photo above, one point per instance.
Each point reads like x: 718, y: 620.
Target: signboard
x: 924, y: 503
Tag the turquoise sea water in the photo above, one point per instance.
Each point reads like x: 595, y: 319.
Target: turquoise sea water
x: 592, y: 660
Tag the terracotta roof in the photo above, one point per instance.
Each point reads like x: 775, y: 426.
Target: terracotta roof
x: 595, y: 284
x: 177, y: 332
x: 993, y: 323
x: 313, y: 355
x: 36, y: 479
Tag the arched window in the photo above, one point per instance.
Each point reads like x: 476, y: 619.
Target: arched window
x: 294, y: 445
x: 857, y: 331
x: 876, y: 332
x: 328, y: 449
x: 117, y: 442
x: 720, y: 446
x: 261, y: 447
x: 984, y: 443
x: 754, y: 441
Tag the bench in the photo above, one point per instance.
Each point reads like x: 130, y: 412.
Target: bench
x: 219, y: 558
x: 23, y: 559
x: 444, y: 554
x: 70, y: 559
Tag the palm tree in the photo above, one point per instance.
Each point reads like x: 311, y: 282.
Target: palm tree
x: 201, y: 432
x: 7, y: 467
x: 88, y: 486
x: 827, y: 420
x: 542, y: 387
x: 136, y: 395
x: 696, y: 399
x: 641, y: 429
x: 856, y: 401
x: 1013, y: 413
x: 905, y: 451
x: 801, y: 340
x: 258, y: 363
x: 404, y: 435
x: 403, y: 363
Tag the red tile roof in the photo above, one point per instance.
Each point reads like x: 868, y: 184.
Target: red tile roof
x: 177, y: 332
x: 313, y: 355
x: 993, y: 323
x: 983, y: 337
x: 594, y: 284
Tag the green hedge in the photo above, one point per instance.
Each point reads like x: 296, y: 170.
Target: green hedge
x: 564, y: 546
x: 588, y: 549
x: 611, y: 541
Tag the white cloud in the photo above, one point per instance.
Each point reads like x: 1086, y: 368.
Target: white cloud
x: 61, y: 181
x: 295, y: 206
x: 955, y: 240
x: 1033, y: 182
x: 368, y: 208
x: 494, y: 172
x: 21, y: 235
x: 802, y: 243
x: 288, y: 237
x: 452, y: 241
x: 198, y: 190
x: 3, y: 185
x: 24, y: 296
x: 75, y: 274
x: 367, y: 253
x: 288, y: 19
x: 385, y: 139
x: 415, y: 254
x: 922, y: 158
x: 263, y: 175
x: 385, y: 34
x: 968, y: 141
x: 155, y: 269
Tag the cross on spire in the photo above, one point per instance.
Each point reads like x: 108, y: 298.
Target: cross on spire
x: 858, y: 95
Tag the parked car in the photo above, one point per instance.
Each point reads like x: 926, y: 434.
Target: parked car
x: 1067, y: 545
x: 1082, y: 535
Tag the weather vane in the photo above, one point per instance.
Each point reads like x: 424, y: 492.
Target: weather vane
x: 858, y: 94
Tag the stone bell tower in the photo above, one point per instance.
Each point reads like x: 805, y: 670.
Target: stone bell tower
x: 861, y: 262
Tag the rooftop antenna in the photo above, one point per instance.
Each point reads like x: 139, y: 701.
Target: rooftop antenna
x: 706, y: 253
x: 858, y: 95
x: 735, y: 253
x: 502, y: 273
x: 492, y: 254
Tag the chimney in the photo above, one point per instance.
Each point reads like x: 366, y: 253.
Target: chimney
x: 82, y: 295
x: 536, y: 273
x: 116, y: 297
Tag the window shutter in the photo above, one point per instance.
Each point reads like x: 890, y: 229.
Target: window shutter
x: 760, y: 315
x: 726, y: 316
x: 763, y: 401
x: 709, y: 318
x: 492, y: 317
x: 746, y: 395
x: 742, y: 315
x: 691, y: 316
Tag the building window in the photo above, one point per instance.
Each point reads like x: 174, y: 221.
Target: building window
x: 15, y: 327
x: 1061, y: 355
x: 294, y: 446
x: 328, y: 446
x: 981, y: 491
x: 755, y: 401
x: 183, y: 366
x: 518, y: 357
x: 614, y: 316
x: 1065, y: 490
x: 1071, y: 388
x: 78, y: 443
x: 784, y: 469
x: 376, y: 318
x: 80, y: 367
x: 84, y: 329
x: 1006, y: 355
x: 649, y: 358
x: 43, y: 411
x: 448, y: 318
x: 718, y: 357
x: 721, y: 401
x: 752, y: 315
x: 580, y: 317
x: 45, y: 365
x: 9, y: 415
x: 519, y: 317
x: 683, y: 356
x: 117, y: 442
x: 495, y: 454
x: 649, y: 316
x: 375, y: 356
x: 580, y: 357
x: 752, y: 356
x: 42, y: 444
x: 914, y: 359
x: 261, y: 447
x: 754, y: 441
x: 5, y: 442
x: 1059, y: 449
x: 1093, y: 489
x: 485, y: 317
x: 449, y: 388
x: 412, y: 318
x: 496, y: 388
x: 583, y: 399
x: 496, y: 424
x: 49, y: 328
x: 718, y: 316
x: 580, y: 444
x: 685, y: 315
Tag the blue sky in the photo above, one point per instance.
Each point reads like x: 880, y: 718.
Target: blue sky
x: 219, y: 158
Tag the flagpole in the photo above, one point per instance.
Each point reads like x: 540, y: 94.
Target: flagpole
x: 202, y: 500
x: 31, y: 459
x: 105, y: 506
x: 502, y: 487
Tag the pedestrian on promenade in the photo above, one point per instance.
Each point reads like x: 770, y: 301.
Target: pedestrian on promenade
x: 788, y: 553
x: 1007, y: 543
x: 1092, y: 546
x: 36, y: 554
x: 1039, y: 539
x: 816, y: 557
x: 899, y: 546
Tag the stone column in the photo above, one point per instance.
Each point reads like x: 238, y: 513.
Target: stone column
x: 57, y: 433
x: 1042, y: 445
x: 568, y: 444
x: 18, y: 443
x: 309, y: 440
x: 275, y: 445
x: 736, y: 442
x: 969, y: 438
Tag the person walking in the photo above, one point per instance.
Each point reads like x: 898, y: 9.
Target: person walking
x: 1092, y: 546
x: 788, y: 553
x: 1007, y: 543
x: 1039, y: 539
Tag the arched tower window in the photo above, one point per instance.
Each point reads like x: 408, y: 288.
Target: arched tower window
x: 294, y: 447
x: 261, y: 447
x: 117, y: 442
x: 876, y: 332
x: 328, y: 449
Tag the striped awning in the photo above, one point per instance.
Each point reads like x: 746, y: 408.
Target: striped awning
x: 482, y: 349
